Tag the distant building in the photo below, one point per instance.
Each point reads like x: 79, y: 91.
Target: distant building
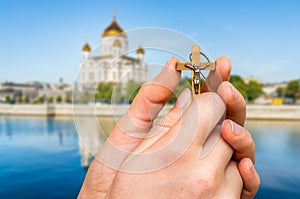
x: 34, y: 90
x: 14, y: 90
x: 271, y: 96
x: 111, y: 64
x: 56, y: 90
x: 270, y: 89
x: 263, y: 100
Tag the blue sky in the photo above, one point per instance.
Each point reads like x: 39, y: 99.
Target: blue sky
x: 42, y: 40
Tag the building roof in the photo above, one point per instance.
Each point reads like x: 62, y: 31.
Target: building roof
x: 114, y: 30
x: 140, y: 50
x: 86, y: 48
x: 13, y: 84
x: 110, y: 57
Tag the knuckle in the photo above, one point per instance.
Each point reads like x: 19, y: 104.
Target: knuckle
x: 209, y: 99
x: 170, y: 119
x: 207, y: 183
x: 212, y: 175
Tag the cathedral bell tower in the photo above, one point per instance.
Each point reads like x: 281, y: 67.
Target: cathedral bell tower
x: 114, y: 40
x: 140, y: 52
x: 86, y: 50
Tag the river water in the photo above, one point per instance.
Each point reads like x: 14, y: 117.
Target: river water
x: 42, y: 158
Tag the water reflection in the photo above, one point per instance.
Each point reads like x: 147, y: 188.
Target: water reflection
x: 277, y: 147
x: 90, y: 140
x: 16, y: 128
x: 92, y: 133
x: 52, y: 148
x: 61, y: 136
x: 38, y: 157
x: 278, y: 157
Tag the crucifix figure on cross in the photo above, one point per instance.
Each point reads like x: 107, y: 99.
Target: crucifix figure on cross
x: 196, y: 66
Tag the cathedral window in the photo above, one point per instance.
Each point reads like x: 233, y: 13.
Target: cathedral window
x: 130, y: 75
x: 91, y: 76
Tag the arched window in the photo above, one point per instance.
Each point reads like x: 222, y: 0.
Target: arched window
x: 91, y: 76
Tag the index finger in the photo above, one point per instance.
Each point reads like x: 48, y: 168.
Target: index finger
x: 131, y: 129
x: 147, y: 104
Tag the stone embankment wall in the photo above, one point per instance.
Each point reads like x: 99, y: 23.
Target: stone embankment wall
x: 253, y: 111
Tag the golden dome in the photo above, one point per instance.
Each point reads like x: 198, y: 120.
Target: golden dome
x: 140, y: 50
x: 86, y: 48
x: 114, y: 30
x: 117, y: 43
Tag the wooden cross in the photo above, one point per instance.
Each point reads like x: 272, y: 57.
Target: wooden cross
x: 196, y: 66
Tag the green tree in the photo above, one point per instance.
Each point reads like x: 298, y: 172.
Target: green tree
x: 280, y: 91
x: 59, y: 99
x: 68, y: 98
x: 84, y: 97
x: 293, y: 89
x: 8, y: 99
x: 104, y: 92
x: 250, y: 91
x: 117, y: 96
x: 41, y: 100
x: 50, y: 99
x: 131, y: 90
x: 26, y: 99
x: 254, y: 90
x: 19, y: 100
x: 239, y: 84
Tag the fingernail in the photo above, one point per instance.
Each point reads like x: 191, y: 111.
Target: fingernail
x: 170, y: 65
x: 237, y: 130
x: 249, y: 164
x: 232, y: 91
x: 228, y: 126
x: 169, y: 62
x: 184, y: 98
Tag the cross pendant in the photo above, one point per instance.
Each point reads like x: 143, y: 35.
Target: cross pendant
x: 196, y: 66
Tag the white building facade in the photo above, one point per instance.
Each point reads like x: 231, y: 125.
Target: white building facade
x: 111, y: 64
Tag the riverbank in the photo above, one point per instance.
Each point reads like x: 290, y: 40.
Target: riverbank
x: 254, y: 112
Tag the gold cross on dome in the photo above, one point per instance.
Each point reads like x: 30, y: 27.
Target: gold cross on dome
x: 196, y: 66
x: 114, y: 13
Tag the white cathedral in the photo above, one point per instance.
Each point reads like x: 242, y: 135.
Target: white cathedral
x: 111, y: 64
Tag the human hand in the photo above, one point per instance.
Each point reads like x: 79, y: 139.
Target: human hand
x: 144, y: 109
x: 188, y: 176
x: 233, y: 130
